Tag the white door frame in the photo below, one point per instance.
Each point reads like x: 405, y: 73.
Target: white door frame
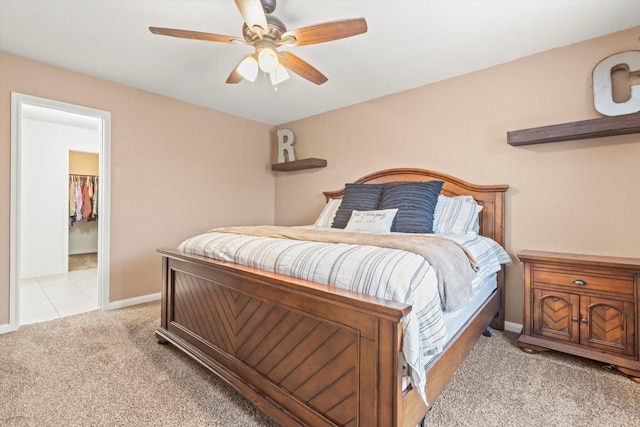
x: 17, y: 101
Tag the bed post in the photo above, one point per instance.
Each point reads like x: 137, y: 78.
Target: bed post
x: 165, y: 296
x: 498, y: 321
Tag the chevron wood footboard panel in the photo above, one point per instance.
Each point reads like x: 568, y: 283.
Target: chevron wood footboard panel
x: 306, y: 354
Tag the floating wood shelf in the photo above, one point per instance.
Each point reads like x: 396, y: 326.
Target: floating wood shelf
x: 594, y: 128
x: 299, y: 164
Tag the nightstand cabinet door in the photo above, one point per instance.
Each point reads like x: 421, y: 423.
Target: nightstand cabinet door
x: 607, y: 324
x: 556, y: 315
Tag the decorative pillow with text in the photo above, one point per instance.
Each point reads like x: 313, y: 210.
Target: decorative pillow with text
x: 371, y: 221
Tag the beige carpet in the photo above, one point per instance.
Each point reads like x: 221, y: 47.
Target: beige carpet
x: 83, y: 261
x: 106, y: 369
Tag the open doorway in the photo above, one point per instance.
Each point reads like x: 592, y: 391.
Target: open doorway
x: 49, y: 138
x: 58, y: 270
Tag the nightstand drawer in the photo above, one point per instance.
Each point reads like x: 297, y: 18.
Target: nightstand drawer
x: 620, y: 285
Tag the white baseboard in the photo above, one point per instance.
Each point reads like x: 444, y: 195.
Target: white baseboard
x: 7, y: 327
x: 134, y: 301
x: 512, y: 327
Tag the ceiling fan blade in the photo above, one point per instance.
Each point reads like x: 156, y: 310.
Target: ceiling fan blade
x: 197, y: 35
x: 327, y: 31
x: 247, y: 69
x: 235, y: 77
x: 253, y: 13
x: 301, y: 68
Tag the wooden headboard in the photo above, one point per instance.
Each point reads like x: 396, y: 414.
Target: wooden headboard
x: 491, y: 197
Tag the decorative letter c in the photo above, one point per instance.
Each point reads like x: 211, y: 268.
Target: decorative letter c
x: 602, y: 86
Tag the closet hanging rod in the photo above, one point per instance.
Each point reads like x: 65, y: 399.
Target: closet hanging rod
x: 82, y: 174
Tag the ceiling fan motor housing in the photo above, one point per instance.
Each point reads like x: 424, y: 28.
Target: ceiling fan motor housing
x: 274, y: 32
x: 268, y: 5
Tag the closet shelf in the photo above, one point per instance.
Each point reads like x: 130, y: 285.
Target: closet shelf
x: 594, y: 128
x: 299, y: 164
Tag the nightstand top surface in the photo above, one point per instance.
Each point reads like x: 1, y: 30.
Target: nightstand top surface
x: 578, y: 259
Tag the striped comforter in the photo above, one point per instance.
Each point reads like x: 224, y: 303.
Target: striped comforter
x: 389, y: 273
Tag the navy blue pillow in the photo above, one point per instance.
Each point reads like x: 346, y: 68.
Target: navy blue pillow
x: 357, y: 197
x: 415, y: 201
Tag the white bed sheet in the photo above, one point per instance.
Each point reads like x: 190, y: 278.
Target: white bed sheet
x: 454, y: 321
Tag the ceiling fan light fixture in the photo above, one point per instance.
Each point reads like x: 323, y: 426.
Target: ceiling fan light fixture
x: 279, y: 75
x: 266, y: 33
x: 268, y: 59
x: 248, y: 68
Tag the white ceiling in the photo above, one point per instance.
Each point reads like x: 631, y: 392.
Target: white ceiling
x: 408, y: 44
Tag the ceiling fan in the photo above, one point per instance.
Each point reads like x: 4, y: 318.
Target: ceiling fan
x: 266, y: 34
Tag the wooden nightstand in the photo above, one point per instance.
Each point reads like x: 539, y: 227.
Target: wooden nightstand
x: 583, y: 305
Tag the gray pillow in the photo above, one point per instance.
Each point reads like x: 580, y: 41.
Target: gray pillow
x: 416, y: 203
x: 357, y: 197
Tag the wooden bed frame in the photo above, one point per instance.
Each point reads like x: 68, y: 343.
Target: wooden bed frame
x: 308, y: 354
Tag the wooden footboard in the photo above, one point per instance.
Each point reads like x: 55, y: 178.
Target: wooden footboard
x: 304, y: 354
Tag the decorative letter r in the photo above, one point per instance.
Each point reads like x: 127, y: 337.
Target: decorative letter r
x: 285, y: 134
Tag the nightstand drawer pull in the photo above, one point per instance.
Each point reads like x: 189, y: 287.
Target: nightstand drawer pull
x: 580, y: 282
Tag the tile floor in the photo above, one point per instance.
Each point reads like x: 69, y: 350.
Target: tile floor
x: 50, y: 297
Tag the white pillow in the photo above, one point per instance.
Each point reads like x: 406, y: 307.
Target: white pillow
x: 328, y: 213
x: 371, y: 221
x: 457, y: 215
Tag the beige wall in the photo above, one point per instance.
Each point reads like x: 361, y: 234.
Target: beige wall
x: 176, y: 169
x: 577, y: 196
